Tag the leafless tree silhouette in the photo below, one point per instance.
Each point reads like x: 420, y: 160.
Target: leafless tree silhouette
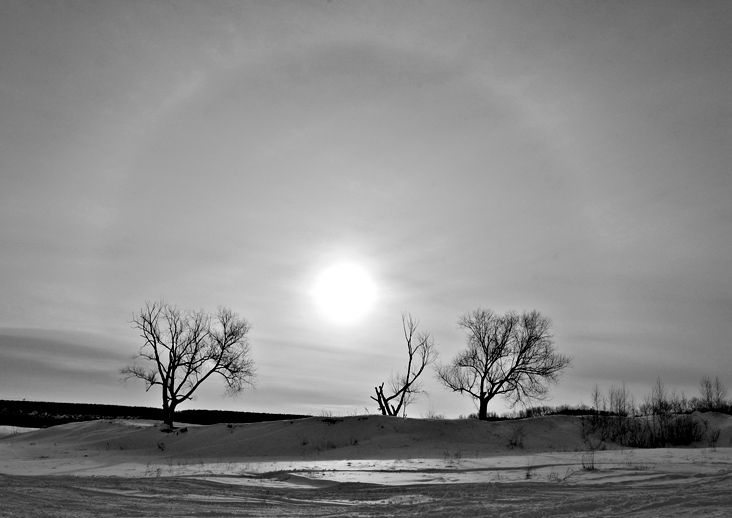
x: 186, y: 348
x: 713, y: 393
x: 404, y: 388
x: 509, y: 355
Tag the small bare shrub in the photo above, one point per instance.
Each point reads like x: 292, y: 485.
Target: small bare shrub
x: 432, y: 414
x: 452, y: 458
x: 516, y: 439
x: 713, y: 435
x: 588, y: 461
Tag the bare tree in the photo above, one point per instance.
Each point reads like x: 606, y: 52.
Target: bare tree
x: 621, y: 401
x: 659, y: 402
x: 509, y: 355
x: 186, y: 348
x: 598, y: 400
x: 713, y: 393
x: 706, y: 391
x: 720, y: 393
x: 404, y: 388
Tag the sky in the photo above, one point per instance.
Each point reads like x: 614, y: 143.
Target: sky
x: 570, y: 157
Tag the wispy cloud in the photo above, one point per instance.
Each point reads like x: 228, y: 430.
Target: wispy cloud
x: 511, y: 156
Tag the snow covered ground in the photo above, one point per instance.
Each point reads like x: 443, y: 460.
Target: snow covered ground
x: 356, y: 466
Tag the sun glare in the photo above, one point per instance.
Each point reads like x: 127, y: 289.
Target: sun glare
x: 344, y: 293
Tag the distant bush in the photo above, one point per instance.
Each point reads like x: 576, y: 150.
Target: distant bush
x: 541, y: 411
x: 651, y: 431
x: 612, y: 413
x: 662, y: 420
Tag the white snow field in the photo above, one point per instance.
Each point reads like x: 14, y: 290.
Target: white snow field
x: 357, y: 466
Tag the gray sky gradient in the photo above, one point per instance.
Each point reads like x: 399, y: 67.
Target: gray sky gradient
x: 570, y: 157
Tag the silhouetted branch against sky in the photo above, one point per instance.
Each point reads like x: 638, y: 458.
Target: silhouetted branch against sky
x: 508, y: 355
x: 186, y: 348
x: 404, y: 387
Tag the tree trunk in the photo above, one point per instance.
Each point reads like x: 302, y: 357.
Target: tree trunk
x: 483, y: 409
x: 169, y: 415
x: 384, y: 406
x: 168, y: 409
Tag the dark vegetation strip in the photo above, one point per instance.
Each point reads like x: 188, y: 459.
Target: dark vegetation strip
x: 42, y: 414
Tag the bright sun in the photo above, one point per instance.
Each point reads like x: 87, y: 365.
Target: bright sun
x: 344, y: 293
